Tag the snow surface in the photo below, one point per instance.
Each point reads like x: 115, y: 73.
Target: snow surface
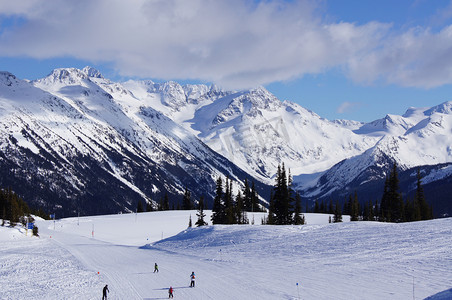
x: 351, y: 260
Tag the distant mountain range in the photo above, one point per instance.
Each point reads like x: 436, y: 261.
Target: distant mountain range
x: 75, y: 141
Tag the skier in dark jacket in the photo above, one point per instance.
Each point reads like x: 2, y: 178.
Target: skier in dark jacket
x: 170, y: 292
x: 192, y: 277
x: 104, y: 292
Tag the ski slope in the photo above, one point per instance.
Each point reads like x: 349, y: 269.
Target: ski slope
x: 75, y: 257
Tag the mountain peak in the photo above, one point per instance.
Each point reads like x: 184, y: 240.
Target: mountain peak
x: 71, y: 76
x: 92, y: 72
x: 444, y: 108
x: 7, y: 78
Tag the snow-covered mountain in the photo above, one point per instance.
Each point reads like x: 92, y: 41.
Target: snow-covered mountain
x: 152, y: 137
x: 66, y: 141
x: 255, y: 130
x: 421, y: 138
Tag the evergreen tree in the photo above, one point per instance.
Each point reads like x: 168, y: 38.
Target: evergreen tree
x: 371, y: 211
x: 218, y: 209
x: 425, y: 210
x: 368, y: 214
x: 410, y: 210
x: 200, y: 214
x: 187, y: 204
x: 298, y: 218
x: 346, y: 210
x: 190, y: 222
x: 322, y: 207
x: 392, y: 205
x: 330, y: 207
x: 271, y: 208
x: 395, y: 198
x: 149, y: 206
x: 247, y: 204
x: 140, y: 207
x: 15, y: 209
x: 229, y: 203
x: 254, y: 199
x: 337, y: 214
x: 384, y: 213
x: 281, y: 199
x: 166, y: 202
x: 241, y: 215
x: 316, y: 207
x: 354, y: 208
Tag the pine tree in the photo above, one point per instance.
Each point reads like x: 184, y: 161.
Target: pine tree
x: 316, y: 207
x: 165, y: 202
x: 298, y: 216
x: 384, y: 213
x: 140, y: 207
x: 376, y: 211
x: 229, y: 203
x: 200, y: 214
x: 254, y: 199
x: 247, y: 204
x: 354, y: 208
x: 187, y: 204
x: 392, y: 205
x: 330, y: 207
x: 190, y: 222
x: 149, y: 206
x: 271, y: 208
x: 425, y: 210
x: 241, y: 216
x: 281, y: 199
x: 218, y: 209
x: 410, y: 210
x: 337, y: 214
x: 322, y: 207
x: 395, y: 198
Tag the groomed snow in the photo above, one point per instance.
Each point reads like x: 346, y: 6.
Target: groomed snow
x: 350, y: 260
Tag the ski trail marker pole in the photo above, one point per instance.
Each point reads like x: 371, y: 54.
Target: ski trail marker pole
x: 298, y: 290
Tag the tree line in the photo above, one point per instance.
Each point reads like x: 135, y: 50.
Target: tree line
x: 285, y: 203
x: 391, y: 208
x: 228, y: 209
x: 15, y: 210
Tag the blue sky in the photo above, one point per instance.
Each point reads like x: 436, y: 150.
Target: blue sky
x: 343, y: 59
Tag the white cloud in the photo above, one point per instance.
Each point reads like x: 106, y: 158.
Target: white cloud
x: 416, y: 58
x: 347, y: 107
x: 235, y: 43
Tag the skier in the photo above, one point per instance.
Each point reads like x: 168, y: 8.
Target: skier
x: 104, y: 292
x: 156, y: 268
x: 170, y: 292
x: 192, y: 277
